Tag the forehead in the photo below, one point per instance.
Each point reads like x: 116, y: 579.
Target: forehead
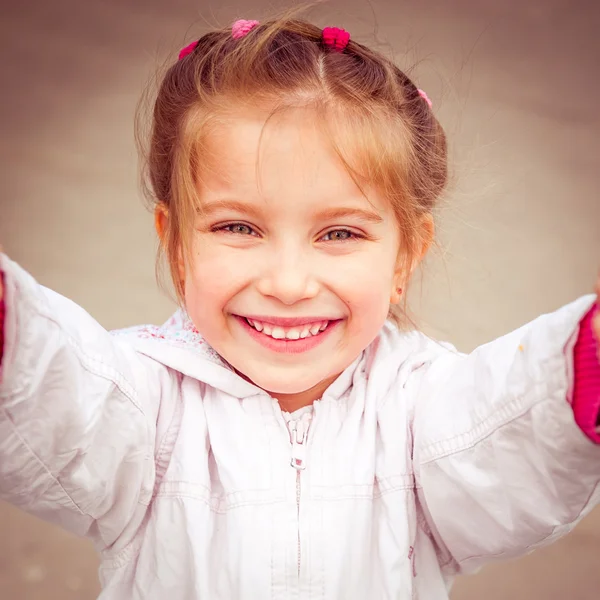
x: 286, y: 158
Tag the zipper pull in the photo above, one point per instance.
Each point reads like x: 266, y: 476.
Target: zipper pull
x: 298, y: 434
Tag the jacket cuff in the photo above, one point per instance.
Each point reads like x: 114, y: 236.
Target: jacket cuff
x: 2, y: 311
x: 586, y: 385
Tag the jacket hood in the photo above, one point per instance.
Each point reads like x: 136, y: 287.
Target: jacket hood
x: 179, y: 345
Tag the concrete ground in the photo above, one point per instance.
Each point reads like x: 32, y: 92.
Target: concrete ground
x: 516, y: 85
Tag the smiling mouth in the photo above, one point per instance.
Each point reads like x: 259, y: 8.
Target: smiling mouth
x: 298, y: 332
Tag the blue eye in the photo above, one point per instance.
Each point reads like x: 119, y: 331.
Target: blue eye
x: 339, y: 235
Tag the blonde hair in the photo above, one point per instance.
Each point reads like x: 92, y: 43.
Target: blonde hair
x: 383, y: 131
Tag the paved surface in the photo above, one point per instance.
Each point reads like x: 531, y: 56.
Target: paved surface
x: 515, y: 83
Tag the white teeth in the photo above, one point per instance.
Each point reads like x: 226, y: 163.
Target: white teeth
x: 314, y: 329
x: 292, y: 333
x: 278, y: 333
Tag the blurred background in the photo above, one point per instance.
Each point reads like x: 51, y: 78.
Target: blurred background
x: 516, y: 85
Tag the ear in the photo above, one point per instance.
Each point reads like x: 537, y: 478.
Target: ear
x: 403, y: 271
x: 427, y: 237
x: 161, y: 221
x: 161, y: 224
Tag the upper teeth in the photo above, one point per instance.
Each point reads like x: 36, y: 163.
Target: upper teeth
x: 289, y: 333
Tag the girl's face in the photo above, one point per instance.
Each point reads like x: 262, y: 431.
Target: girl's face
x: 292, y: 269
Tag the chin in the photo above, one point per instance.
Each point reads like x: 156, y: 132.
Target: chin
x: 274, y: 387
x: 285, y: 384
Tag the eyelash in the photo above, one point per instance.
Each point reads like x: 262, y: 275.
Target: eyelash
x: 228, y: 226
x: 352, y: 235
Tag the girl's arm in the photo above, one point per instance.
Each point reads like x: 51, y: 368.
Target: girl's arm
x: 502, y: 466
x: 78, y: 414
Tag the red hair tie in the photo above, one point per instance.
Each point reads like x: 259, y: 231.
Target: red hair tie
x: 187, y: 50
x: 335, y: 38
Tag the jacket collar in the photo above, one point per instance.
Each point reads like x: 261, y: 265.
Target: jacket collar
x: 178, y: 345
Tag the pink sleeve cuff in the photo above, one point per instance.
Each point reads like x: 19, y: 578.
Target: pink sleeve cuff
x: 586, y: 388
x: 2, y: 309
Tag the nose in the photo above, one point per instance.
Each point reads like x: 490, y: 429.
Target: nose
x: 288, y: 276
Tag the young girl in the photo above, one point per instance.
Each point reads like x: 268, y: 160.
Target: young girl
x: 281, y: 437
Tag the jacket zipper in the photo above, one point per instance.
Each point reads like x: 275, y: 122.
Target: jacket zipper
x: 298, y: 430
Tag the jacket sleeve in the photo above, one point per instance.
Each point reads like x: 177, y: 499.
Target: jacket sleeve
x: 501, y: 467
x: 78, y: 414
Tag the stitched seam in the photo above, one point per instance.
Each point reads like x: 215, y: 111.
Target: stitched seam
x: 502, y: 423
x: 169, y: 440
x: 207, y: 500
x: 401, y: 488
x: 118, y: 379
x: 41, y: 462
x: 217, y: 509
x: 49, y: 471
x: 508, y: 556
x: 88, y: 363
x: 123, y: 556
x: 172, y: 482
x: 498, y: 419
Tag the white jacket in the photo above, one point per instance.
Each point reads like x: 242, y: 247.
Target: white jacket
x: 418, y: 463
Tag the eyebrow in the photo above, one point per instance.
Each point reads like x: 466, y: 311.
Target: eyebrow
x: 344, y: 213
x: 234, y: 205
x: 329, y: 214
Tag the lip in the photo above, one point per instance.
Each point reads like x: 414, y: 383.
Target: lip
x: 288, y: 346
x: 287, y: 321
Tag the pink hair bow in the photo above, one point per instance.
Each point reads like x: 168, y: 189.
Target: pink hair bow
x: 242, y: 27
x: 426, y: 98
x: 335, y: 38
x: 238, y: 30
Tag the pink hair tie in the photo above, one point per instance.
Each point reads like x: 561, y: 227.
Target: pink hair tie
x: 426, y: 98
x: 242, y: 27
x: 335, y: 38
x: 187, y: 50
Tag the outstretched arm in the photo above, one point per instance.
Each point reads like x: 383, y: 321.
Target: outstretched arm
x: 78, y: 414
x: 501, y: 463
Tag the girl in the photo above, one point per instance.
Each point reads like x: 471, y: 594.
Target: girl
x: 280, y: 437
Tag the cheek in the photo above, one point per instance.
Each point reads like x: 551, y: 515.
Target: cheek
x: 365, y: 282
x: 368, y: 304
x: 216, y: 266
x: 211, y: 280
x: 367, y: 296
